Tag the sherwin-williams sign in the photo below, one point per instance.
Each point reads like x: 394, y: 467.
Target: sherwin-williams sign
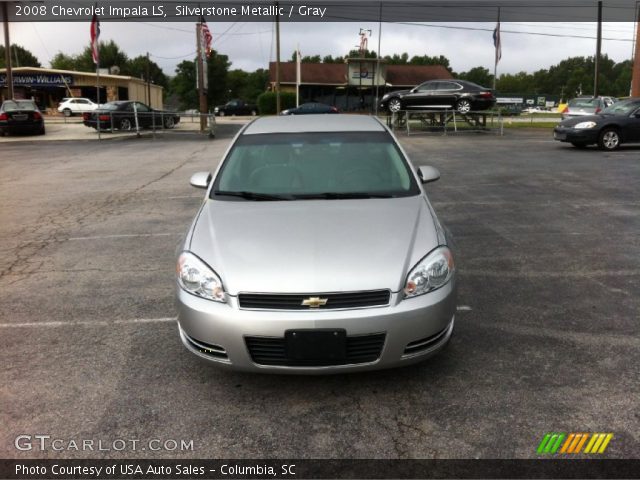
x: 574, y: 443
x: 38, y: 79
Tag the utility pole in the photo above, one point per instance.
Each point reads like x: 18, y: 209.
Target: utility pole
x: 598, y: 47
x: 278, y: 105
x: 635, y: 73
x: 201, y: 76
x: 7, y: 51
x: 148, y: 81
x: 377, y: 73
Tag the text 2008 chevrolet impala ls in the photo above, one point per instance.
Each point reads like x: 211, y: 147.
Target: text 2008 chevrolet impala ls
x: 315, y: 250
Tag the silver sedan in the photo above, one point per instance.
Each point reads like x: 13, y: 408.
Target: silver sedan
x: 315, y: 250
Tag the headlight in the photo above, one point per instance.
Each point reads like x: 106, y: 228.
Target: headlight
x: 432, y: 272
x: 583, y: 125
x: 198, y: 278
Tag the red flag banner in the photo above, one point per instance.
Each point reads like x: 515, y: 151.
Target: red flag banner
x: 95, y: 35
x: 207, y: 37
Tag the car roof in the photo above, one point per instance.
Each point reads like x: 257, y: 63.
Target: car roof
x: 314, y: 123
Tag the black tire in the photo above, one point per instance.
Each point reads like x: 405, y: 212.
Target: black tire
x: 42, y: 131
x: 394, y: 105
x: 169, y: 122
x: 253, y: 113
x: 125, y: 124
x: 579, y: 145
x: 609, y: 139
x: 221, y: 113
x: 463, y: 105
x: 67, y: 113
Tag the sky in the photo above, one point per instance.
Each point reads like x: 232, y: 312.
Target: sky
x: 251, y: 45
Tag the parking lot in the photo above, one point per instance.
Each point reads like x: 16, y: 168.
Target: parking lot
x: 546, y: 336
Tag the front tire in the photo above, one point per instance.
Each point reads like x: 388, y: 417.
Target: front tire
x: 463, y: 106
x: 169, y: 122
x: 609, y: 139
x: 221, y: 114
x: 395, y: 105
x: 67, y: 113
x: 253, y: 113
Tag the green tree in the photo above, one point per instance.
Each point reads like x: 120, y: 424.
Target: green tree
x: 20, y: 57
x: 137, y: 67
x: 183, y: 84
x: 427, y: 60
x: 217, y: 68
x: 62, y: 61
x: 110, y: 56
x: 355, y: 53
x: 479, y: 75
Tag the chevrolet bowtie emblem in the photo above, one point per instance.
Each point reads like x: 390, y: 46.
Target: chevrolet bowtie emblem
x: 314, y: 302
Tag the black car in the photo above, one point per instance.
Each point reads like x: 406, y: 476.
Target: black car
x: 236, y: 107
x: 20, y: 116
x: 616, y: 124
x: 460, y: 95
x: 310, y: 107
x: 121, y: 115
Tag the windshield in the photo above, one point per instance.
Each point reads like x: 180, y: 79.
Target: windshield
x: 330, y: 165
x: 584, y: 103
x: 622, y: 108
x: 13, y: 105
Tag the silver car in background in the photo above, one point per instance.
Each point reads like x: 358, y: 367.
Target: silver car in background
x: 315, y: 250
x: 582, y: 106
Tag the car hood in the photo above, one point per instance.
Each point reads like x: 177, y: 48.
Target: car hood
x: 570, y: 122
x: 399, y: 93
x: 314, y: 246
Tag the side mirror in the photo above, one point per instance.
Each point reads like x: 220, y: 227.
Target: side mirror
x: 414, y: 90
x: 200, y: 179
x: 428, y: 174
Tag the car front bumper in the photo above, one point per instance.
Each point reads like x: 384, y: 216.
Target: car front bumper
x: 413, y: 329
x: 585, y: 136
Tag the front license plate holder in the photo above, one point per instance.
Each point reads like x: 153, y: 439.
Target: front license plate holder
x: 560, y: 136
x: 316, y: 344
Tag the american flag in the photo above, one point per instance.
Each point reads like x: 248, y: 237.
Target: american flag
x: 496, y: 42
x: 95, y: 35
x: 206, y: 36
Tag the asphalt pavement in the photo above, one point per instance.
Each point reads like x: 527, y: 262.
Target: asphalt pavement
x: 546, y: 336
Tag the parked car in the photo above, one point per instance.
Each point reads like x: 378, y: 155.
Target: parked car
x: 316, y: 250
x: 460, y: 95
x: 616, y: 124
x: 310, y: 107
x: 76, y: 106
x: 121, y: 115
x: 582, y: 106
x: 21, y: 116
x: 236, y: 107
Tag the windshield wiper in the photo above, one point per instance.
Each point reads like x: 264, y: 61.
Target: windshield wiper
x: 345, y: 195
x: 251, y: 195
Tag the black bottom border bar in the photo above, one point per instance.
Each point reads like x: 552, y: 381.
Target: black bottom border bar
x: 317, y: 469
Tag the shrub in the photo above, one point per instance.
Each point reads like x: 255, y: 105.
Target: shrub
x: 267, y: 102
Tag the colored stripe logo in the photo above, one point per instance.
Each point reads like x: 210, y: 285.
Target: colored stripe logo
x: 573, y: 443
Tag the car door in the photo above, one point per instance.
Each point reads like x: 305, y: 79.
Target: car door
x: 446, y: 94
x: 145, y: 115
x: 632, y: 126
x: 420, y: 96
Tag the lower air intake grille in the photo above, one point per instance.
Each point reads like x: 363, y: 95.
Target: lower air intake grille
x: 209, y: 349
x: 272, y: 351
x: 324, y: 301
x: 424, y: 343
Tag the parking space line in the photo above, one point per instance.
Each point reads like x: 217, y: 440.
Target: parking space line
x: 99, y: 323
x: 126, y: 235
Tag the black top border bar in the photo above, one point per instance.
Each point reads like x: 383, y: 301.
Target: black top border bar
x: 396, y: 11
x: 319, y: 469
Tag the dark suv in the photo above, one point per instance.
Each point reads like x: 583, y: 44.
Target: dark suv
x: 460, y: 95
